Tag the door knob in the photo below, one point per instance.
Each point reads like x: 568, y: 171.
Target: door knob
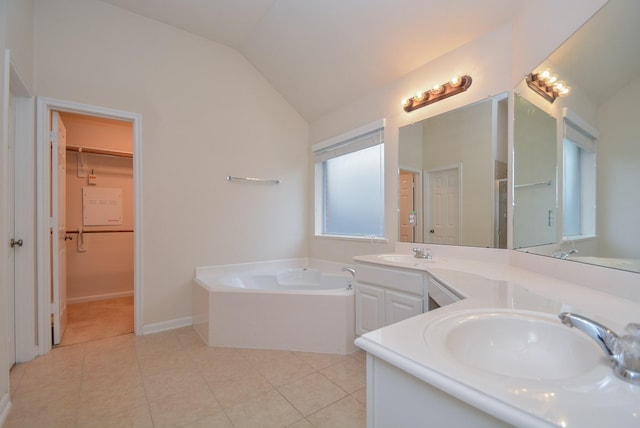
x: 16, y: 243
x: 68, y: 238
x: 432, y: 231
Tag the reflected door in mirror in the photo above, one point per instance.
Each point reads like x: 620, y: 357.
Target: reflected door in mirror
x: 444, y: 207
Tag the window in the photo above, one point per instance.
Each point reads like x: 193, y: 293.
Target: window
x: 578, y: 178
x: 349, y: 183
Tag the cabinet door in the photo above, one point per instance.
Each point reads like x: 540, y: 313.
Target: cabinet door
x: 369, y: 308
x: 400, y: 306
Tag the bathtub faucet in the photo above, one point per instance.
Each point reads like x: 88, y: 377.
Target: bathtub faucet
x: 352, y: 271
x: 623, y: 352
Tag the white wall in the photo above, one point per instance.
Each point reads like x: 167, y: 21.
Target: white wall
x: 496, y: 62
x: 484, y: 59
x: 206, y: 113
x: 542, y: 26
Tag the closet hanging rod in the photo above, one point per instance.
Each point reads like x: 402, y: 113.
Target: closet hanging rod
x: 100, y: 231
x: 253, y: 179
x: 104, y: 152
x: 540, y: 183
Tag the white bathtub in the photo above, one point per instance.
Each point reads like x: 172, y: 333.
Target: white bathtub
x: 295, y: 304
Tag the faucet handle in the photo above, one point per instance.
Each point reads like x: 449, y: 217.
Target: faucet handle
x: 422, y: 253
x: 626, y: 357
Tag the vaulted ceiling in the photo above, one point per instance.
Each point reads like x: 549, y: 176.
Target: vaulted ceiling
x: 320, y: 54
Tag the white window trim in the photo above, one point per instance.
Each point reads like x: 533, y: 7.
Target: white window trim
x: 326, y: 146
x: 339, y: 139
x: 585, y: 136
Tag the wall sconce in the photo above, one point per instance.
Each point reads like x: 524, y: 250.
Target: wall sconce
x: 547, y: 85
x: 437, y: 93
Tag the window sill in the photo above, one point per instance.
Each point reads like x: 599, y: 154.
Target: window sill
x: 579, y: 238
x: 371, y: 239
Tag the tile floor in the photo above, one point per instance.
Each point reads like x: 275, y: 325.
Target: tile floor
x: 98, y: 319
x: 173, y: 379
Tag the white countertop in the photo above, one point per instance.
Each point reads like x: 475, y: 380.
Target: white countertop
x: 596, y: 398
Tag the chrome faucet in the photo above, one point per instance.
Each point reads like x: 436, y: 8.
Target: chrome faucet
x: 604, y: 337
x: 564, y: 254
x: 422, y: 253
x: 352, y: 271
x: 623, y: 352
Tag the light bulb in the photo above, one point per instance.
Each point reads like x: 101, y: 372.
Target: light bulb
x: 565, y: 91
x: 544, y: 74
x: 405, y: 102
x: 419, y: 96
x: 551, y: 80
x: 437, y: 89
x: 455, y: 81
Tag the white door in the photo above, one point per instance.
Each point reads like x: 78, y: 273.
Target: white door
x: 59, y: 228
x: 444, y: 209
x: 15, y: 243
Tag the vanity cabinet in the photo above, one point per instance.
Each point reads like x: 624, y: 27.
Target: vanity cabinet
x: 397, y: 399
x: 386, y: 295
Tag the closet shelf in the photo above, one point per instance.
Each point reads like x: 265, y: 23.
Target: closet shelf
x: 104, y: 152
x: 101, y: 231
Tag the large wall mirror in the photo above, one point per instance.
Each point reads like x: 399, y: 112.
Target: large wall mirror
x: 577, y: 159
x: 453, y: 170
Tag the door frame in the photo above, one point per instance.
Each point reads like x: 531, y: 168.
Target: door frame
x: 418, y: 202
x: 43, y: 180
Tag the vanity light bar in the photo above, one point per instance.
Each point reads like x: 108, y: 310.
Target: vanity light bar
x: 547, y: 85
x: 437, y: 93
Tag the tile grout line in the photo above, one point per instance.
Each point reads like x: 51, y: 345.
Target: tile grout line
x: 201, y: 375
x: 142, y: 378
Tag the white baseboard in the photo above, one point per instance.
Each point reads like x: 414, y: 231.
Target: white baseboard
x: 96, y: 297
x: 167, y: 325
x: 5, y: 406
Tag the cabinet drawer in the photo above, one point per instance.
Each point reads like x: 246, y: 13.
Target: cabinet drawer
x: 395, y: 279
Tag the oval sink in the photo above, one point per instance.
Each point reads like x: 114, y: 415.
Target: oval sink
x: 521, y: 344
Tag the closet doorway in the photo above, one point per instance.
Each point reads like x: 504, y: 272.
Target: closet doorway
x: 90, y: 286
x: 95, y: 253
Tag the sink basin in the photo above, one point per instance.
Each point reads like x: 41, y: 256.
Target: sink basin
x: 519, y: 344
